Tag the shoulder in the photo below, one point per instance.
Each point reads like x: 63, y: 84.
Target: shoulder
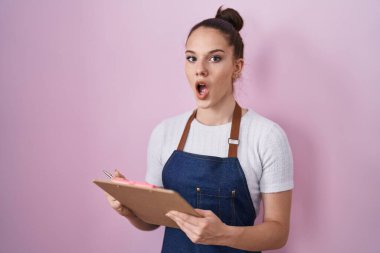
x: 263, y: 132
x: 254, y: 121
x: 257, y: 119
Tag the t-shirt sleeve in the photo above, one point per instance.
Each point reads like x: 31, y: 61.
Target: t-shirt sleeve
x: 277, y: 161
x: 154, y: 158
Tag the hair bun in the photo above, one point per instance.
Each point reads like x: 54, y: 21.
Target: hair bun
x: 231, y: 16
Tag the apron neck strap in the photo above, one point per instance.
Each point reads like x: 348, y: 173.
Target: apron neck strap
x: 233, y: 141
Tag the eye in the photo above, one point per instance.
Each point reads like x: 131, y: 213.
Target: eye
x: 215, y: 58
x: 191, y: 58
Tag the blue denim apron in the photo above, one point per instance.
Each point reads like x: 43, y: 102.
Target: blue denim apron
x: 210, y: 183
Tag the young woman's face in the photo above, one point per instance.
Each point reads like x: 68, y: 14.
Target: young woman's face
x: 210, y: 66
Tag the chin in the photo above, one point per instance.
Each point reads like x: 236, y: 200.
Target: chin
x: 203, y: 104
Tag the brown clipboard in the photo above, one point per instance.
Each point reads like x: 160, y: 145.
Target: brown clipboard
x: 149, y: 204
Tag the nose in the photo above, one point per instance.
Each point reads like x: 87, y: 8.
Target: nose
x: 201, y: 69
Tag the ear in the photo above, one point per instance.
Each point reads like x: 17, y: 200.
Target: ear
x: 238, y: 66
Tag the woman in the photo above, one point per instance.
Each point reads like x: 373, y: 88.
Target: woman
x: 221, y: 158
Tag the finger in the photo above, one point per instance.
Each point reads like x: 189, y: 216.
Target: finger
x: 204, y: 213
x: 118, y: 174
x: 128, y: 212
x: 113, y: 202
x: 189, y: 229
x: 122, y: 210
x: 186, y: 217
x: 193, y: 236
x: 191, y: 222
x: 110, y: 199
x: 116, y: 205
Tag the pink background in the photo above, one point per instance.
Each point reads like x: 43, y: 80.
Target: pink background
x: 83, y: 83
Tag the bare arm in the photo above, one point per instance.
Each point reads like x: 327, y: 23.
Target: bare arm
x: 271, y: 234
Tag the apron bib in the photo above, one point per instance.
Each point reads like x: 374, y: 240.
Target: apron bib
x: 210, y: 183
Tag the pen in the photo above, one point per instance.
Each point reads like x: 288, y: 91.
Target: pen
x: 108, y: 174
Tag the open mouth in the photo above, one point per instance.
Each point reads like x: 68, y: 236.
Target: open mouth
x: 202, y: 88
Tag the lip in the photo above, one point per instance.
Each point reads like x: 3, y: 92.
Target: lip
x: 200, y: 82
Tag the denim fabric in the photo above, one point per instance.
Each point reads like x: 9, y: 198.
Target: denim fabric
x: 211, y: 183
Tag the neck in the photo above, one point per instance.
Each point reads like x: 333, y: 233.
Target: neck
x: 218, y: 114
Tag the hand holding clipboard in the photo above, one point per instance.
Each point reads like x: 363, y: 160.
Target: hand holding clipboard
x: 115, y: 204
x: 143, y: 201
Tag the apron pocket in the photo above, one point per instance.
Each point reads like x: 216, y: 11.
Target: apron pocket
x: 220, y: 201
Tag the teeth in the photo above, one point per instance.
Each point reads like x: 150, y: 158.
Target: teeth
x: 201, y: 88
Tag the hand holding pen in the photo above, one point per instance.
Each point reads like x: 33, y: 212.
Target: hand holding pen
x: 124, y: 211
x: 115, y: 204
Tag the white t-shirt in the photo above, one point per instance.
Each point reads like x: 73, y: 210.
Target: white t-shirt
x: 263, y: 152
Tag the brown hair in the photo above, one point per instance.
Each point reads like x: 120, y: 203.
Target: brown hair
x: 229, y: 22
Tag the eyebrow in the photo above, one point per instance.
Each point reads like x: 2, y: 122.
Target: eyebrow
x: 211, y: 52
